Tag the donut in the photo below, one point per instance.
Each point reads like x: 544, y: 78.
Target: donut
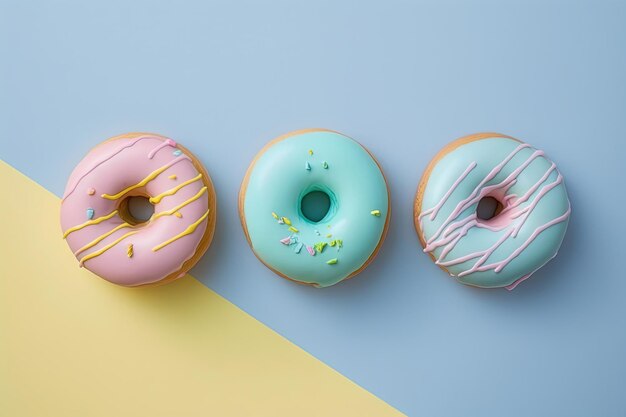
x: 108, y: 240
x: 520, y: 232
x: 345, y: 237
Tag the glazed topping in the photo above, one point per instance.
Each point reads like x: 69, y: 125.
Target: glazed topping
x: 180, y: 209
x: 285, y: 233
x: 453, y: 218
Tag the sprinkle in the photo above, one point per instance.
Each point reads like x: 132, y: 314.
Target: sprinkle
x: 177, y: 214
x: 328, y: 226
x: 293, y: 239
x: 332, y: 261
x: 375, y: 213
x: 307, y: 166
x: 320, y: 246
x: 90, y: 213
x: 329, y: 235
x: 339, y: 243
x: 274, y: 215
x: 286, y: 241
x: 293, y: 229
x: 298, y: 248
x: 177, y: 152
x: 310, y: 250
x: 311, y: 152
x: 280, y: 221
x: 325, y: 165
x: 129, y: 251
x: 287, y: 221
x: 317, y: 232
x: 332, y: 243
x: 91, y: 191
x: 172, y: 177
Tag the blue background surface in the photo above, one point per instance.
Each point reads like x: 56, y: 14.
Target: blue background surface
x: 404, y: 78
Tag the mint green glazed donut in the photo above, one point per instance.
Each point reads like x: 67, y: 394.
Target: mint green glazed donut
x: 339, y: 245
x: 520, y: 236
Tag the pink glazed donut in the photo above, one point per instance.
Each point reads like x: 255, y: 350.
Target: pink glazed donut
x: 108, y: 240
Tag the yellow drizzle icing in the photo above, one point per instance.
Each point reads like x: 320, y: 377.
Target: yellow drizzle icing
x: 88, y: 223
x: 141, y: 183
x: 97, y: 240
x: 107, y: 247
x: 101, y: 237
x: 190, y: 229
x: 181, y: 205
x: 158, y: 198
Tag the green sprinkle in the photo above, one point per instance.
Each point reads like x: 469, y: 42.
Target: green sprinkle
x: 332, y: 243
x: 329, y: 235
x: 320, y: 246
x: 375, y: 213
x: 332, y: 261
x: 325, y: 165
x: 311, y: 152
x: 274, y: 215
x: 339, y: 243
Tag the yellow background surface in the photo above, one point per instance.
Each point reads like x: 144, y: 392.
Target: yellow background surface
x: 72, y: 344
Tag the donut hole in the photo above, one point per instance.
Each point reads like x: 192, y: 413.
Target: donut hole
x: 315, y: 205
x: 136, y: 209
x: 488, y: 208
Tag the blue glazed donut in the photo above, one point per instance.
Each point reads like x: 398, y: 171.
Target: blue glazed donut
x: 521, y: 235
x: 319, y: 252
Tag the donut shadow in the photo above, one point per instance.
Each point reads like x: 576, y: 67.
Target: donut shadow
x: 177, y: 300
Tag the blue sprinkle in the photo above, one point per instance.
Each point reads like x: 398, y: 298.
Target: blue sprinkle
x: 177, y: 152
x: 307, y: 166
x: 90, y: 213
x: 325, y: 165
x: 298, y: 248
x: 317, y: 232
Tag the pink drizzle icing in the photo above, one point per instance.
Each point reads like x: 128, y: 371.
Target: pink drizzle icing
x: 517, y: 282
x: 166, y: 143
x: 451, y: 232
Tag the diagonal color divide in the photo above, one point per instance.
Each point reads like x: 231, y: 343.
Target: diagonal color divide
x: 75, y: 345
